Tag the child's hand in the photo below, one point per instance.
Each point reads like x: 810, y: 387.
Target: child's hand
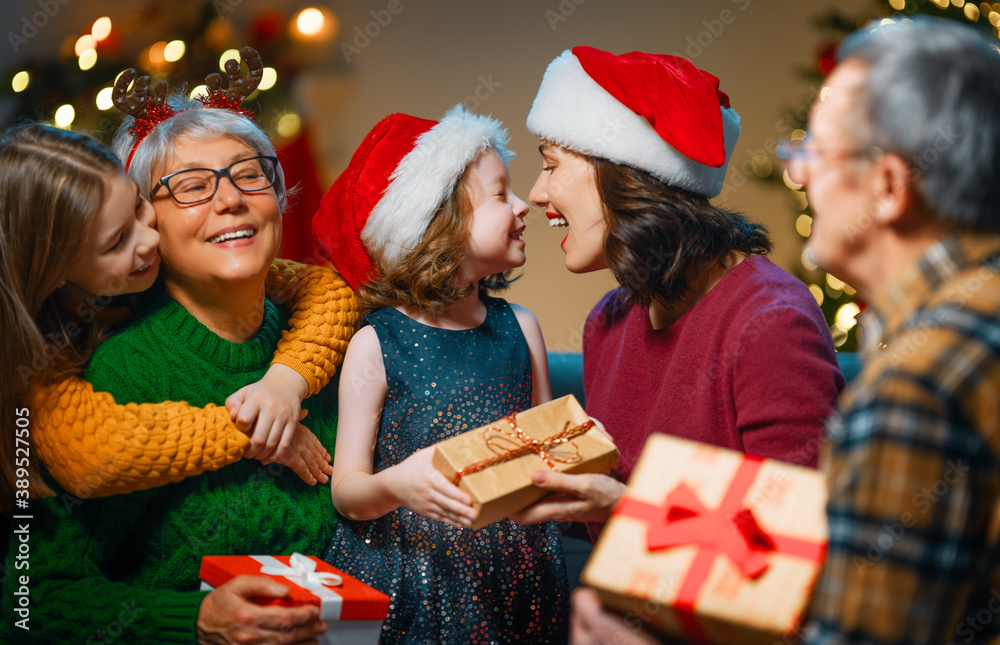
x: 305, y: 455
x: 425, y: 491
x: 272, y: 409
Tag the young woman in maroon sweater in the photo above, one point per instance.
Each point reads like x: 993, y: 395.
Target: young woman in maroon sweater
x: 705, y: 338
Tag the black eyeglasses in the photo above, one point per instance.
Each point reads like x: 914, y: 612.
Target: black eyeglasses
x: 196, y: 185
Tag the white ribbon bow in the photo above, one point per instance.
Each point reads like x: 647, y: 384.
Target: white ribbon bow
x: 303, y: 571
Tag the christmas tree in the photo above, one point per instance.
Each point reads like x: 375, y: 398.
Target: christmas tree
x: 70, y: 85
x: 838, y: 300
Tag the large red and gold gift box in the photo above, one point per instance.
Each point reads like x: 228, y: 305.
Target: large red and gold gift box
x: 712, y: 545
x: 494, y: 463
x: 352, y: 610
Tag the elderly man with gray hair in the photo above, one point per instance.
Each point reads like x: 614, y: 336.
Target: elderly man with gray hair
x: 901, y: 169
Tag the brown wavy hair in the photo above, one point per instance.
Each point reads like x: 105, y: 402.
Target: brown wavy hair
x: 660, y: 236
x: 424, y: 280
x: 52, y: 184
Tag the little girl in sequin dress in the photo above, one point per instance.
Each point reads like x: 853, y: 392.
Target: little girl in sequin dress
x: 423, y: 222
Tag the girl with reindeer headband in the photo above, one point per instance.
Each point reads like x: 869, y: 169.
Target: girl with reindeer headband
x: 423, y: 222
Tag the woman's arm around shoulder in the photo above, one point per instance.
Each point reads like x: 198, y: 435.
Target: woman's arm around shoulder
x: 324, y: 313
x: 95, y: 447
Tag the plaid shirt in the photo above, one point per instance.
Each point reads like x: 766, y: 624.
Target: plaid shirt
x: 913, y: 465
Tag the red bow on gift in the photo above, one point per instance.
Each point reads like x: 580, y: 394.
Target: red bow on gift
x: 736, y: 534
x: 524, y: 443
x: 730, y: 529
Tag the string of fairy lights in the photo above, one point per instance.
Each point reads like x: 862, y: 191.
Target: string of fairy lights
x: 973, y: 12
x: 844, y: 319
x: 310, y: 24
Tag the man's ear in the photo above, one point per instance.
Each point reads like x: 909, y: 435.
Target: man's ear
x: 894, y: 190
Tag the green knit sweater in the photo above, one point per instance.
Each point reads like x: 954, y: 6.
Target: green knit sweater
x: 125, y: 568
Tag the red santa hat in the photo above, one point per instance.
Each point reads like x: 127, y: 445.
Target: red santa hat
x: 657, y: 113
x: 378, y: 210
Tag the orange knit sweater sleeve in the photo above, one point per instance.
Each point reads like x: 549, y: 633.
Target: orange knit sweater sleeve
x: 324, y: 312
x: 94, y: 447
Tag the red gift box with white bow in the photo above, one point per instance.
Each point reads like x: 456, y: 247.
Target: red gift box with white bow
x: 352, y: 610
x: 712, y: 545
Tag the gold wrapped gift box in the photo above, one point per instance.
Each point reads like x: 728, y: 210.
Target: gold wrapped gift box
x: 712, y: 545
x: 494, y: 463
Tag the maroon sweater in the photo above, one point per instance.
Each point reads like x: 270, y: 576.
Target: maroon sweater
x: 750, y: 367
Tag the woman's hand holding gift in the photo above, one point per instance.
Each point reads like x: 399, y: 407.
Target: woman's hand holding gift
x: 574, y: 498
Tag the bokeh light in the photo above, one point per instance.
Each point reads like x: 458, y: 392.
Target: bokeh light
x: 845, y: 316
x: 268, y: 78
x: 174, y: 51
x: 88, y: 59
x: 803, y: 225
x: 104, y: 100
x: 101, y: 28
x: 226, y: 55
x: 83, y: 43
x: 65, y: 115
x: 310, y: 21
x: 156, y: 53
x: 20, y: 81
x: 288, y: 124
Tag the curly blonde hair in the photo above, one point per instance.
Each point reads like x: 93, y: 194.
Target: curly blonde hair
x: 424, y: 281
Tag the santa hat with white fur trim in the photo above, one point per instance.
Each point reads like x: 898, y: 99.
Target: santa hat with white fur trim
x: 657, y: 113
x: 377, y: 211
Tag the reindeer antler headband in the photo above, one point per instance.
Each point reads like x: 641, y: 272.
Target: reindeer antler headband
x: 149, y: 110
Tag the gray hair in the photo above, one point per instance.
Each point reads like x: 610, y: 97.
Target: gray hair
x: 931, y: 97
x: 196, y: 123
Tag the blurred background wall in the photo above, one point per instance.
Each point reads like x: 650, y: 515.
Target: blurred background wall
x: 368, y: 59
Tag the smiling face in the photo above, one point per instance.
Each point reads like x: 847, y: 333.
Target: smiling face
x: 494, y: 243
x: 118, y: 255
x: 567, y: 189
x: 232, y: 238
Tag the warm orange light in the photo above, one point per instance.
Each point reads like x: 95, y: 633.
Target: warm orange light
x: 156, y: 50
x: 310, y: 21
x: 314, y: 24
x: 83, y: 43
x: 101, y: 28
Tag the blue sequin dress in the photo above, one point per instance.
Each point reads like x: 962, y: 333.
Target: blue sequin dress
x: 504, y: 583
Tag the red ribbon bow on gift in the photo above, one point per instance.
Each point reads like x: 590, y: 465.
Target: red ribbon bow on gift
x: 527, y: 443
x: 730, y: 529
x: 736, y: 534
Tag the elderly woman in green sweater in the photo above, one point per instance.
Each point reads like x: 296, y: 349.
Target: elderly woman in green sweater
x: 126, y: 567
